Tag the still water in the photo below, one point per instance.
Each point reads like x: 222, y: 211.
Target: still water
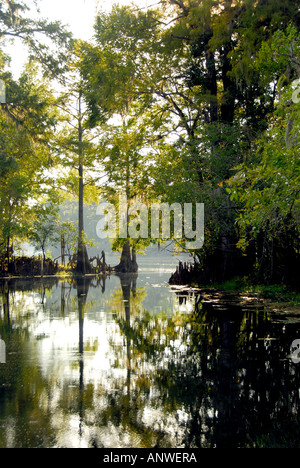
x: 128, y: 362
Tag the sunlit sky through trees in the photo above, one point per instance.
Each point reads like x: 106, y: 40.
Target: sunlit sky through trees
x: 77, y: 15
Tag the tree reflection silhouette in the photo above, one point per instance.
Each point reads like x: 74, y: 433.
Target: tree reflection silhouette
x: 217, y: 377
x: 225, y: 370
x: 82, y: 285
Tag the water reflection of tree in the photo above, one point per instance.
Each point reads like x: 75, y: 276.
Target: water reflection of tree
x: 221, y: 373
x: 212, y: 378
x: 83, y: 399
x: 239, y: 389
x: 26, y: 395
x: 146, y: 338
x: 125, y: 407
x: 24, y: 422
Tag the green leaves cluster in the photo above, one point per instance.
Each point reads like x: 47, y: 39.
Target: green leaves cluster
x: 49, y: 42
x: 205, y: 80
x: 27, y: 124
x: 268, y: 186
x: 185, y: 101
x: 28, y: 121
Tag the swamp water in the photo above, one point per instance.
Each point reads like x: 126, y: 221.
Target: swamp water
x: 127, y: 362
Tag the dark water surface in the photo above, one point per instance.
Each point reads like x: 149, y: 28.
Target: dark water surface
x: 126, y: 363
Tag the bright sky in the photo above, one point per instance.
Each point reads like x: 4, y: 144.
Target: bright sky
x: 80, y: 14
x: 77, y: 15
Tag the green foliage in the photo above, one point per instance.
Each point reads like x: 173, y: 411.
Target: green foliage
x: 200, y: 79
x: 44, y: 232
x: 47, y: 42
x: 186, y: 102
x: 267, y: 186
x: 27, y: 125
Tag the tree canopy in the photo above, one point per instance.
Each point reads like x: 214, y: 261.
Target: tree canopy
x: 185, y: 101
x: 204, y: 78
x: 48, y: 42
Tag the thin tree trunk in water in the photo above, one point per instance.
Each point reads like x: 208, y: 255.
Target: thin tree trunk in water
x: 63, y: 252
x: 82, y: 256
x: 81, y: 266
x: 7, y: 247
x: 8, y: 254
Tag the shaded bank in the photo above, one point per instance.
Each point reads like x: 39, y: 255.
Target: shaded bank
x: 34, y: 267
x: 26, y: 266
x: 243, y: 275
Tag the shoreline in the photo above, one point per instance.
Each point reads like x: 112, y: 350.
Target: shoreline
x: 252, y: 297
x: 274, y: 298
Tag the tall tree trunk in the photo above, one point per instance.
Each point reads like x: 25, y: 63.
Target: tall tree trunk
x: 83, y: 265
x: 212, y: 86
x: 42, y: 265
x: 63, y: 250
x: 8, y: 254
x: 228, y: 103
